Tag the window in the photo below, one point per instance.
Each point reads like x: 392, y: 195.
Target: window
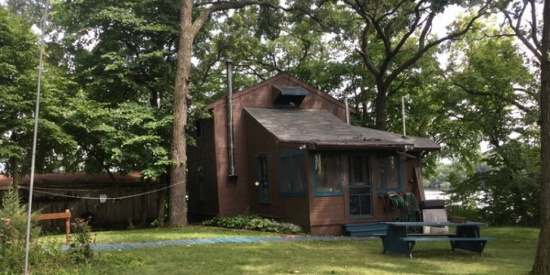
x: 263, y: 178
x: 359, y: 188
x: 327, y: 173
x: 292, y: 174
x: 389, y: 173
x: 358, y: 170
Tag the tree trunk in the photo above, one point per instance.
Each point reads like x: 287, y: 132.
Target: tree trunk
x: 542, y: 259
x: 188, y: 30
x: 178, y: 174
x: 381, y: 108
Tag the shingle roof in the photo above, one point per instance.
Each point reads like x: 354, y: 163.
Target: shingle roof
x: 323, y: 129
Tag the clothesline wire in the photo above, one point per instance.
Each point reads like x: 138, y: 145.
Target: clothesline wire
x: 97, y: 198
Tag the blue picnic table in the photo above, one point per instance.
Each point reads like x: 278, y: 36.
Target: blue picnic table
x: 400, y: 239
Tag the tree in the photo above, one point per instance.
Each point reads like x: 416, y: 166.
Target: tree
x: 18, y: 60
x: 121, y: 51
x: 393, y: 36
x: 188, y: 30
x: 525, y: 22
x: 542, y: 259
x: 487, y: 95
x: 261, y: 49
x: 30, y: 10
x: 122, y: 54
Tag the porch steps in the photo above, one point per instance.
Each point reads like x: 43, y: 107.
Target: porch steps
x: 363, y: 229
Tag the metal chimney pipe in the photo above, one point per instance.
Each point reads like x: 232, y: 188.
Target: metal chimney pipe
x: 403, y: 115
x: 347, y: 109
x: 230, y: 140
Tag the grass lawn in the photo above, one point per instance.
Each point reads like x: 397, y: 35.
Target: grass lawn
x: 512, y: 253
x: 161, y: 234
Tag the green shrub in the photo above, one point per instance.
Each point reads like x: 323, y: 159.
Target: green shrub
x: 13, y: 228
x: 81, y: 247
x: 253, y: 222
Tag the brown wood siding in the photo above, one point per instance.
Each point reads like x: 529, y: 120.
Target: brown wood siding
x: 317, y: 101
x: 260, y: 142
x: 205, y: 204
x: 285, y: 209
x: 327, y: 210
x: 235, y: 193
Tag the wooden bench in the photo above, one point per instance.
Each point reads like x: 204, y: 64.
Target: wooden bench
x: 56, y: 216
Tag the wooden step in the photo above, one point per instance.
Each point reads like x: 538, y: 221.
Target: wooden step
x: 363, y: 229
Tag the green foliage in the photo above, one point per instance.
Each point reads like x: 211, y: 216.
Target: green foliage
x: 18, y: 80
x: 487, y: 103
x: 128, y: 136
x: 252, y: 222
x: 131, y: 56
x: 118, y: 108
x: 13, y: 227
x: 80, y: 250
x: 507, y: 194
x: 17, y: 61
x: 488, y: 95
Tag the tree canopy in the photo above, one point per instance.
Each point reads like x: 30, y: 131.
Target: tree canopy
x: 124, y: 79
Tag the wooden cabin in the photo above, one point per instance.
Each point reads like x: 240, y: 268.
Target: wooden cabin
x: 287, y: 153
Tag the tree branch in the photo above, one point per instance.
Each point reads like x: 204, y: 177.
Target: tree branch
x: 497, y: 95
x: 534, y: 49
x: 222, y: 6
x: 432, y: 44
x: 533, y: 24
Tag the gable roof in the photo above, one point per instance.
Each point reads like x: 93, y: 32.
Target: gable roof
x: 319, y: 128
x: 273, y: 81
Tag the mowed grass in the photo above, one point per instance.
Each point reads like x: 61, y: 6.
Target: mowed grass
x: 161, y: 234
x: 512, y: 253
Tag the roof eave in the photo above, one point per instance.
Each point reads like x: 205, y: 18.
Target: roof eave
x: 318, y: 145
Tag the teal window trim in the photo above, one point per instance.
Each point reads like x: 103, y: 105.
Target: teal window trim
x: 400, y: 163
x: 314, y: 177
x: 264, y: 195
x: 370, y: 215
x: 292, y: 157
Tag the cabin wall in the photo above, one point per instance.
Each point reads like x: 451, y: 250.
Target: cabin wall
x: 202, y: 170
x: 259, y: 142
x: 234, y: 193
x: 328, y: 214
x: 286, y: 209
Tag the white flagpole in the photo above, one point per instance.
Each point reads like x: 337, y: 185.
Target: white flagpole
x: 35, y: 137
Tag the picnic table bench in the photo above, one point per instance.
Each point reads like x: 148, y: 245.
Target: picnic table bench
x: 398, y: 238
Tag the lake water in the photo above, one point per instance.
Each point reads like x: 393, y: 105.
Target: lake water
x: 435, y: 195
